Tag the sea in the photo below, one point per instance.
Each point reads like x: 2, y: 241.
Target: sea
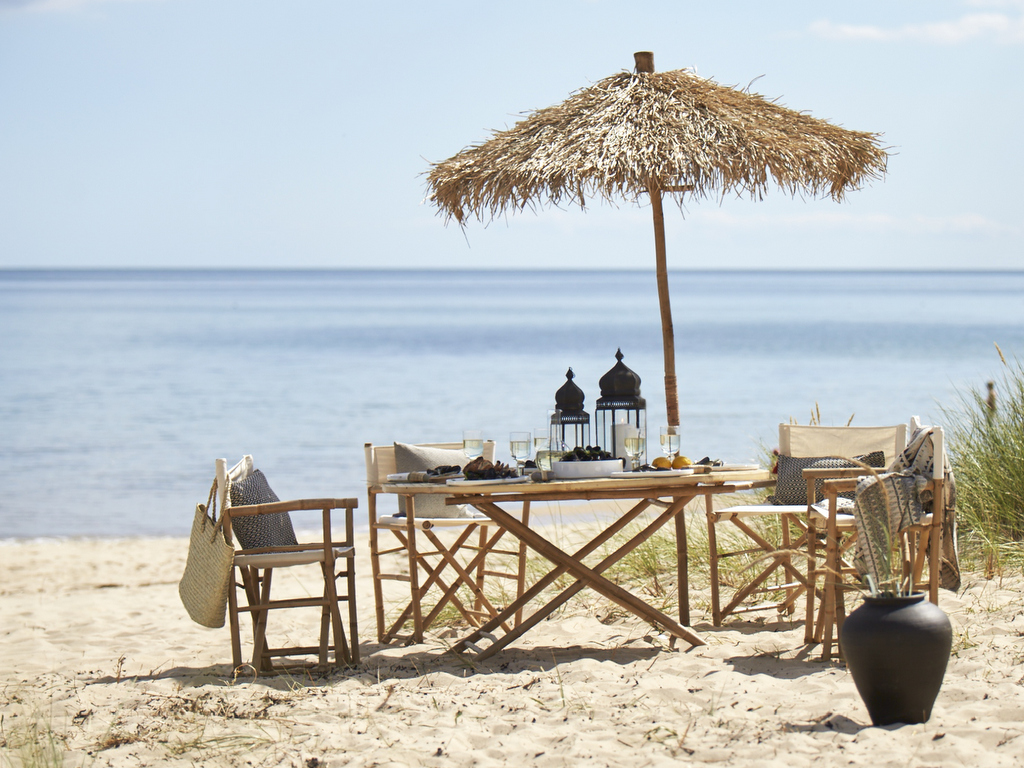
x: 120, y: 388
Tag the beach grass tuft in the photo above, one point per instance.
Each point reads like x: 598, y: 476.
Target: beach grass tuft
x: 30, y: 742
x: 986, y: 447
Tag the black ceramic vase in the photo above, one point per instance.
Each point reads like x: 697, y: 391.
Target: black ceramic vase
x: 896, y: 649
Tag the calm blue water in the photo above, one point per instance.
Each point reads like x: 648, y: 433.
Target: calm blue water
x: 119, y: 389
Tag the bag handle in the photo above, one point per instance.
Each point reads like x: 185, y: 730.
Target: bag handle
x: 211, y: 507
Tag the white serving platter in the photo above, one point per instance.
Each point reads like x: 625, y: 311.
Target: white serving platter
x: 574, y: 470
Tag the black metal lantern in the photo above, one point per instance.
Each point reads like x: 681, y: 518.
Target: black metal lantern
x: 621, y: 412
x: 570, y: 424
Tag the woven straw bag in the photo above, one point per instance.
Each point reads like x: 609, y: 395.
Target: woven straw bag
x: 204, y: 585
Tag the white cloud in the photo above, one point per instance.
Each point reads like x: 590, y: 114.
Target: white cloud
x: 972, y: 224
x: 998, y: 27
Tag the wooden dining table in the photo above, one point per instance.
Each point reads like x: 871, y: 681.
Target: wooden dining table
x: 659, y: 497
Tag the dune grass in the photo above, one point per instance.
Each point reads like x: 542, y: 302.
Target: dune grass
x: 986, y: 448
x: 30, y: 742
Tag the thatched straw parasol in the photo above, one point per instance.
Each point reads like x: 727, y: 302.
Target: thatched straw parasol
x: 654, y: 133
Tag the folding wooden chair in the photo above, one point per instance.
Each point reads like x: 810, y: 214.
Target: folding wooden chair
x: 452, y: 559
x: 920, y: 545
x: 773, y: 572
x: 267, y: 527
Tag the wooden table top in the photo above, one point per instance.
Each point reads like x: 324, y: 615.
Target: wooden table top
x: 661, y: 485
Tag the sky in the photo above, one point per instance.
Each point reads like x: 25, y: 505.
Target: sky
x: 297, y: 133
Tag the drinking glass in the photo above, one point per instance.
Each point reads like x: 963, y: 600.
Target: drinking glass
x: 670, y: 441
x: 541, y: 440
x: 519, y: 446
x: 634, y: 445
x: 555, y: 430
x: 542, y: 448
x: 473, y: 443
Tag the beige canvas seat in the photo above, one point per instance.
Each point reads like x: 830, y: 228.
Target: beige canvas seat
x: 918, y: 505
x: 803, y: 450
x: 443, y: 559
x: 260, y: 527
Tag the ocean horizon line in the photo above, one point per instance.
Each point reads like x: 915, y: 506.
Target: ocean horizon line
x: 106, y: 271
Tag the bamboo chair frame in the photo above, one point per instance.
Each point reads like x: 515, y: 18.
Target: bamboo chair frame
x: 799, y: 534
x: 253, y: 572
x: 428, y: 567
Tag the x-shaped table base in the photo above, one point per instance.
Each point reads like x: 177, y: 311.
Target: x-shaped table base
x: 585, y: 576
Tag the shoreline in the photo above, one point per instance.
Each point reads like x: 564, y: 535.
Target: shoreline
x: 101, y: 656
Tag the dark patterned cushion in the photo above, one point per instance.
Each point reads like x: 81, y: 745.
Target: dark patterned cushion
x: 790, y: 486
x: 259, y: 531
x: 419, y: 458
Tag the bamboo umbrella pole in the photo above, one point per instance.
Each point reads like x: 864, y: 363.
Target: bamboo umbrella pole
x: 668, y: 338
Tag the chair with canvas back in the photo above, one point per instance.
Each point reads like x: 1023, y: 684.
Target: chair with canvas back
x: 916, y: 497
x: 772, y: 572
x: 431, y: 545
x: 260, y: 525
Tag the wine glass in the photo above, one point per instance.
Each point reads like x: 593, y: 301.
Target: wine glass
x: 541, y: 440
x: 473, y: 443
x: 634, y: 445
x: 670, y: 442
x: 519, y: 446
x: 542, y: 448
x: 555, y: 430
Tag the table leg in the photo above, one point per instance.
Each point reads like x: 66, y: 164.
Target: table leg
x: 521, y: 572
x: 682, y: 569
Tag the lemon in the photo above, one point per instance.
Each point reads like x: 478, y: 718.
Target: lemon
x: 662, y: 463
x: 681, y: 462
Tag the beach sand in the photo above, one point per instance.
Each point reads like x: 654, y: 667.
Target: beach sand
x: 99, y: 662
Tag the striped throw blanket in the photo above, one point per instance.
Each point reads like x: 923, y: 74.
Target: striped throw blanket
x: 897, y: 499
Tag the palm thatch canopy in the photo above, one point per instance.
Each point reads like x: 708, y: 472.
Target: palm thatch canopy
x: 671, y: 131
x: 653, y: 133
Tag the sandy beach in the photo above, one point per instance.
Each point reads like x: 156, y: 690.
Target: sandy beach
x: 101, y: 664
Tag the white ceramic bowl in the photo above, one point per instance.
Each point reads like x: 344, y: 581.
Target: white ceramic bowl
x: 571, y: 470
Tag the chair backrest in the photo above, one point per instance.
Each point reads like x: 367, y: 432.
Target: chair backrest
x: 800, y: 441
x: 380, y: 459
x: 939, y: 448
x: 226, y: 476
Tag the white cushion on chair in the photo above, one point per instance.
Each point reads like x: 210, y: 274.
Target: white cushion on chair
x: 843, y: 519
x: 285, y: 559
x: 756, y: 510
